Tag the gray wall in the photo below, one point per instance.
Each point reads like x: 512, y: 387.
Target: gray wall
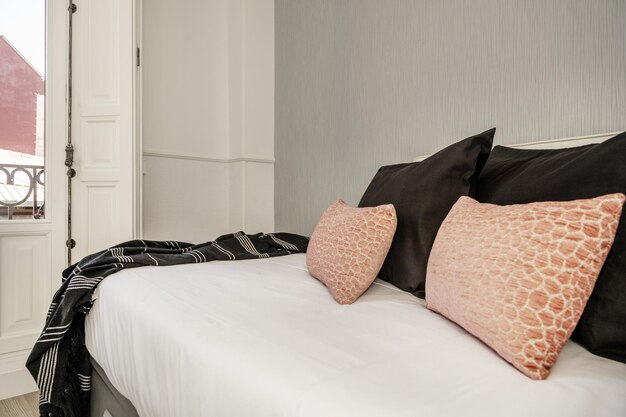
x: 361, y: 83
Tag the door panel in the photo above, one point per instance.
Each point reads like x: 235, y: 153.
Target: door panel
x: 24, y: 266
x: 103, y: 93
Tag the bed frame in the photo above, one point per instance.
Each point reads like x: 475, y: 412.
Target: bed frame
x: 106, y: 401
x: 554, y: 143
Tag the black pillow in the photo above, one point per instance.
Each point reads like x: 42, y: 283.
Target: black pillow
x: 514, y: 176
x: 423, y: 193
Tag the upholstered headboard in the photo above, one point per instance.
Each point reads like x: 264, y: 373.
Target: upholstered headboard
x: 556, y: 143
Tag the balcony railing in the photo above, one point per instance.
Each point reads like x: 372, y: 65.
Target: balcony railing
x: 21, y: 191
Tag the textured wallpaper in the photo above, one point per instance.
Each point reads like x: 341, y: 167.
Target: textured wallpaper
x: 362, y: 83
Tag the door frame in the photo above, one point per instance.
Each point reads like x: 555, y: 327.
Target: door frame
x: 138, y: 119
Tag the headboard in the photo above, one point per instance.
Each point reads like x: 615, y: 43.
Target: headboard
x: 555, y: 143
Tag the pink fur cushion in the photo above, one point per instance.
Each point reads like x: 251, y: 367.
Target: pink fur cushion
x: 518, y: 277
x: 348, y: 248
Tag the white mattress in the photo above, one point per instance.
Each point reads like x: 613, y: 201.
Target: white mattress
x: 263, y: 338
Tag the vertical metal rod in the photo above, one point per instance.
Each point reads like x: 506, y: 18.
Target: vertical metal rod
x: 69, y: 148
x: 33, y: 185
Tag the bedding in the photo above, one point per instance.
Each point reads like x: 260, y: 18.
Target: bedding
x: 348, y: 247
x: 263, y: 338
x: 518, y: 277
x: 59, y: 362
x: 518, y: 176
x: 422, y: 194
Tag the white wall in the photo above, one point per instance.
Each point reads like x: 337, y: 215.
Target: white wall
x: 362, y: 83
x: 208, y: 118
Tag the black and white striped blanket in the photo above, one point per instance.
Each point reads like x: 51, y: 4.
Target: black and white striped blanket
x: 59, y: 362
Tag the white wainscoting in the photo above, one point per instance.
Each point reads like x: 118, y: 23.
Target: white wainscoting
x: 24, y: 293
x: 208, y: 121
x: 14, y: 378
x: 252, y: 195
x: 196, y: 198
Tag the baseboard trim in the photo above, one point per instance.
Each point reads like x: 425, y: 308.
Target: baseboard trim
x: 204, y: 158
x: 14, y: 377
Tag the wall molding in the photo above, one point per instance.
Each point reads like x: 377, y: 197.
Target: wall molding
x: 207, y: 158
x: 14, y: 377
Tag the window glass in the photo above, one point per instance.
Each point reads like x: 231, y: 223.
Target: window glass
x: 22, y: 109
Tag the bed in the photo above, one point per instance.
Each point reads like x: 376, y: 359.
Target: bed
x: 263, y: 338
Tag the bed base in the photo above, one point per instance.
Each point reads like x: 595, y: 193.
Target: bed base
x: 106, y: 401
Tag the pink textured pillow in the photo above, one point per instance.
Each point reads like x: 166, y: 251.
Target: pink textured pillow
x: 518, y: 277
x: 348, y: 247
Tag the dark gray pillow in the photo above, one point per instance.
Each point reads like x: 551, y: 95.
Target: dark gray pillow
x: 516, y: 176
x: 423, y: 193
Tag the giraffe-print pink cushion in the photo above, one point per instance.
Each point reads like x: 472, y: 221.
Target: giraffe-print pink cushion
x: 348, y: 248
x: 518, y: 277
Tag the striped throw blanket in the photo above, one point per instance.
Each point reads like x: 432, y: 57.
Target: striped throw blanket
x: 59, y: 361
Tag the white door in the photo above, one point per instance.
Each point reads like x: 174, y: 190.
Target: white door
x: 32, y: 251
x: 103, y: 192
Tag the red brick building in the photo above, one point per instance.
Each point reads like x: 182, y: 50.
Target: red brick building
x: 20, y: 84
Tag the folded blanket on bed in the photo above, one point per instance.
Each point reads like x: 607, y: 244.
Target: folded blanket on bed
x: 59, y: 361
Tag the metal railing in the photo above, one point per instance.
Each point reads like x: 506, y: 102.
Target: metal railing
x: 20, y: 185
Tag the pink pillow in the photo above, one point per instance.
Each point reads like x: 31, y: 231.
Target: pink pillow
x: 348, y: 247
x: 518, y: 277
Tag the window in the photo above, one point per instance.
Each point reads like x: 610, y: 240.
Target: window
x: 22, y: 108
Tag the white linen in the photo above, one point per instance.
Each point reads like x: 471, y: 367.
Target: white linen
x: 264, y: 338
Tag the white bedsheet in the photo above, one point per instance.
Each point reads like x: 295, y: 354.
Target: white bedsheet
x: 263, y: 338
